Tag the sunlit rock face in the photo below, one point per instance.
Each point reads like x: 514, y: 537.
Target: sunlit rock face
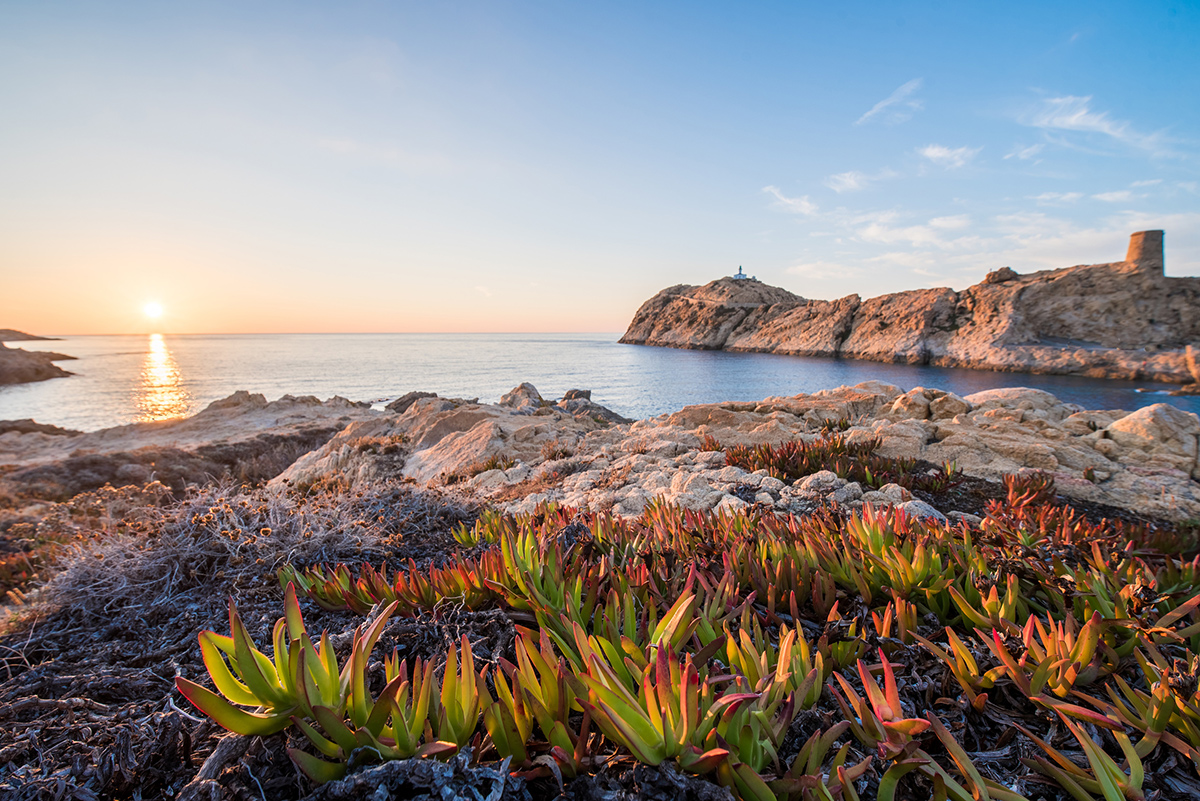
x: 1120, y: 320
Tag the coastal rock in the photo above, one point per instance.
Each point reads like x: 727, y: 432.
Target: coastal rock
x: 1123, y: 320
x: 451, y: 440
x: 241, y: 417
x: 1157, y: 428
x: 523, y: 397
x: 19, y: 366
x: 400, y: 405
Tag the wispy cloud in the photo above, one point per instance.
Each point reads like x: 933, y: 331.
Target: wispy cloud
x: 1071, y: 113
x: 483, y: 290
x: 823, y: 270
x: 950, y: 158
x: 953, y: 223
x: 854, y: 180
x: 1120, y: 196
x: 1025, y: 153
x: 1055, y: 198
x: 796, y: 205
x: 897, y: 107
x: 1151, y: 182
x: 881, y: 229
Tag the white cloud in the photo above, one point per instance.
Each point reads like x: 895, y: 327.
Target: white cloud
x: 1121, y: 196
x: 950, y: 158
x: 954, y: 223
x: 483, y: 290
x: 854, y: 180
x: 796, y: 205
x: 1025, y: 153
x: 1071, y: 113
x: 822, y: 270
x: 1151, y: 182
x: 879, y: 228
x: 1055, y: 198
x: 897, y: 107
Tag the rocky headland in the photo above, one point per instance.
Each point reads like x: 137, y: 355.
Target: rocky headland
x: 19, y: 366
x: 1125, y: 320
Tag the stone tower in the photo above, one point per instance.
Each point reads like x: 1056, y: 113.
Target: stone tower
x: 1146, y: 252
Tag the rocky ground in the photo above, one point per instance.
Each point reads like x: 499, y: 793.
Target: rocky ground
x: 526, y: 450
x: 147, y: 531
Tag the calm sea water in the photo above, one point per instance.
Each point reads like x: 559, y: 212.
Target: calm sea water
x: 125, y: 379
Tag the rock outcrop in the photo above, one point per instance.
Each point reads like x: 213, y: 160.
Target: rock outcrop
x: 523, y: 451
x: 452, y: 440
x: 19, y: 366
x: 1121, y: 320
x: 240, y: 417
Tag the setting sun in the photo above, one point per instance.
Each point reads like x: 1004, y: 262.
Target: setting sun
x: 153, y: 310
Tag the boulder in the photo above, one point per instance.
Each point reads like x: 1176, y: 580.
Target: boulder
x: 524, y: 396
x: 1160, y: 427
x: 1001, y: 276
x: 401, y: 404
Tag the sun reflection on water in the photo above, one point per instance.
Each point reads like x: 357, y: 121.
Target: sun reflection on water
x: 161, y: 394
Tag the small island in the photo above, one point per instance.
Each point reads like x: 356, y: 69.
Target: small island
x: 1125, y: 320
x: 19, y: 366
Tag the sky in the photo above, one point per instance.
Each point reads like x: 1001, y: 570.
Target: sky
x: 536, y: 166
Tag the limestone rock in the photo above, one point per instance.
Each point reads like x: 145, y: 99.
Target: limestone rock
x: 1160, y: 427
x: 523, y: 396
x: 921, y: 511
x: 401, y: 404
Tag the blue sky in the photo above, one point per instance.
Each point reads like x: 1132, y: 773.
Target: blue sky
x: 548, y: 166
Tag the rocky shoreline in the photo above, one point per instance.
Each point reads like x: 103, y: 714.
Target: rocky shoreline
x: 1122, y: 320
x: 527, y: 449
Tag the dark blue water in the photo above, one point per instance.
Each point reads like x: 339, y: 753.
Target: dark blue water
x: 123, y: 379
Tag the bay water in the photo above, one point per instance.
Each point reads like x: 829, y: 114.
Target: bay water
x: 133, y: 378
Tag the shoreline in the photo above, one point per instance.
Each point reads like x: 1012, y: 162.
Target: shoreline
x: 578, y: 453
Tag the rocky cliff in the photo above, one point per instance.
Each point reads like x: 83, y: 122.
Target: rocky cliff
x: 1125, y: 319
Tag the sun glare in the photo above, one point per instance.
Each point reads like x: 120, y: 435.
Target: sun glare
x: 153, y: 310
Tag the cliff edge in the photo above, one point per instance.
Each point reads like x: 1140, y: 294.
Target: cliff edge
x: 1124, y: 319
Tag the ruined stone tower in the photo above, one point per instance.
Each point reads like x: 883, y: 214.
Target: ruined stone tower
x: 1146, y: 252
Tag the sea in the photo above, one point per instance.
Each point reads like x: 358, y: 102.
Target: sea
x: 136, y: 378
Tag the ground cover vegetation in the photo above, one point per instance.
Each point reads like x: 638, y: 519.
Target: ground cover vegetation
x: 330, y: 641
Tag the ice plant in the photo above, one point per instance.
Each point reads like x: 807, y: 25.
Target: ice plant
x: 877, y: 721
x: 394, y: 728
x: 276, y: 689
